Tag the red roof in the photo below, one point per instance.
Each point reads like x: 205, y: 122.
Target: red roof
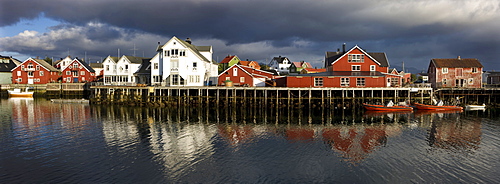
x: 227, y: 59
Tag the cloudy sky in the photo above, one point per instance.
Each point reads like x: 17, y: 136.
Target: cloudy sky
x: 409, y: 31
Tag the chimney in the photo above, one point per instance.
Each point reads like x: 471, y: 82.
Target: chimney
x: 343, y: 48
x: 188, y: 40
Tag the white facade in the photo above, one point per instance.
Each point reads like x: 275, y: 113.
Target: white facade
x: 121, y: 71
x: 179, y: 63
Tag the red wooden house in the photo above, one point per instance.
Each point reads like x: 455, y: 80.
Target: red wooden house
x: 34, y: 71
x: 78, y: 71
x: 353, y: 68
x: 245, y: 76
x: 458, y: 72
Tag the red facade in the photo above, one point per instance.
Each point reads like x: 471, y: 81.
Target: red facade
x: 332, y: 81
x: 455, y: 73
x: 358, y: 60
x: 34, y: 71
x: 245, y: 76
x: 77, y: 72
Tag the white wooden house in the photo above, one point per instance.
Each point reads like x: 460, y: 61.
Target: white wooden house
x: 121, y: 71
x: 180, y: 63
x: 281, y: 65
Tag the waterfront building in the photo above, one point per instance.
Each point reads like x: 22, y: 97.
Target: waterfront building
x: 98, y: 68
x: 120, y: 71
x: 6, y: 65
x: 229, y: 61
x: 353, y: 68
x: 455, y: 72
x: 180, y: 63
x: 241, y: 75
x: 34, y: 71
x: 143, y: 75
x: 77, y: 71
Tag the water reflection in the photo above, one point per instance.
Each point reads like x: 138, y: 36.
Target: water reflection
x: 194, y: 144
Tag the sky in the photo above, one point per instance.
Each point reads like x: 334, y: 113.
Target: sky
x: 409, y: 31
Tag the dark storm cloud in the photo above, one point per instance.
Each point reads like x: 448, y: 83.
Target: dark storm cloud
x: 413, y: 31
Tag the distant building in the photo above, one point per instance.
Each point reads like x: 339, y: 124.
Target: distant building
x: 229, y: 61
x: 62, y: 63
x: 251, y: 64
x: 6, y: 65
x: 296, y: 67
x: 457, y: 72
x: 281, y: 64
x: 143, y: 75
x: 245, y: 76
x: 121, y: 71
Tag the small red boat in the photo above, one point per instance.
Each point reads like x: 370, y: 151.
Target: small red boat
x: 436, y: 107
x: 386, y: 108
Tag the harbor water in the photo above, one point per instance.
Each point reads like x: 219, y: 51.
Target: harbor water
x: 47, y: 142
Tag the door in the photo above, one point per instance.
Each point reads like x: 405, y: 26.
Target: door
x: 75, y: 80
x: 30, y: 80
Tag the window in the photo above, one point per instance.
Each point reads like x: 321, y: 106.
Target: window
x: 41, y: 73
x: 167, y: 53
x: 344, y: 82
x: 107, y: 67
x: 18, y: 73
x: 83, y: 78
x: 30, y: 65
x: 318, y: 82
x: 356, y: 58
x: 474, y: 70
x: 197, y: 78
x: 228, y: 78
x: 20, y: 80
x: 235, y: 71
x: 37, y: 67
x: 195, y: 66
x: 372, y: 68
x: 175, y: 65
x: 356, y: 67
x: 242, y: 79
x: 30, y: 74
x: 444, y: 70
x: 175, y: 79
x: 182, y: 53
x: 68, y: 72
x: 470, y: 81
x: 126, y: 67
x: 360, y: 82
x: 75, y: 66
x: 22, y: 67
x: 75, y: 73
x: 68, y: 79
x: 459, y: 72
x: 155, y: 66
x: 82, y: 72
x: 445, y: 81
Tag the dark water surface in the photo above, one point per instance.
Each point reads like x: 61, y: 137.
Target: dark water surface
x: 44, y: 142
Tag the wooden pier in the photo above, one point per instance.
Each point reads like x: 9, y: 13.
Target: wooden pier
x: 255, y: 96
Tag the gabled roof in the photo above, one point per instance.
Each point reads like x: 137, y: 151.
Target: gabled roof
x: 247, y: 63
x: 457, y: 63
x: 145, y: 68
x: 7, y: 67
x: 42, y: 63
x: 87, y: 66
x: 195, y: 49
x: 113, y: 58
x: 280, y: 59
x: 379, y: 57
x: 136, y: 60
x: 248, y: 70
x: 228, y: 58
x: 96, y: 65
x: 299, y: 64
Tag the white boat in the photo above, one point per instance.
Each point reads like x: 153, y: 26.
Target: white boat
x: 475, y: 107
x: 18, y: 93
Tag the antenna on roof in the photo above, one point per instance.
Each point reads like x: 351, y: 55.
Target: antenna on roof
x: 134, y: 49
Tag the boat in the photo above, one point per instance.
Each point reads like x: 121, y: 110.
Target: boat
x: 420, y: 106
x: 18, y: 93
x: 371, y: 107
x: 475, y: 107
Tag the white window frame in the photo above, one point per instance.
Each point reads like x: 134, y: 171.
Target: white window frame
x: 235, y: 71
x: 318, y: 82
x: 356, y: 58
x: 373, y: 68
x: 356, y: 67
x: 344, y: 81
x: 360, y: 82
x: 470, y: 81
x: 444, y: 70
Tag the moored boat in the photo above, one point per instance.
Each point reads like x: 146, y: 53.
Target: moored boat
x: 371, y: 107
x: 475, y: 107
x: 18, y: 93
x: 420, y: 106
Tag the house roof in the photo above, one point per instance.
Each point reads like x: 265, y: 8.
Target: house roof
x: 41, y: 62
x: 227, y: 59
x: 346, y: 74
x: 299, y: 64
x: 280, y: 59
x: 248, y: 70
x: 315, y: 69
x: 96, y: 65
x: 136, y: 60
x: 145, y: 67
x: 457, y: 63
x: 7, y: 67
x: 379, y: 57
x: 87, y: 66
x: 196, y: 49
